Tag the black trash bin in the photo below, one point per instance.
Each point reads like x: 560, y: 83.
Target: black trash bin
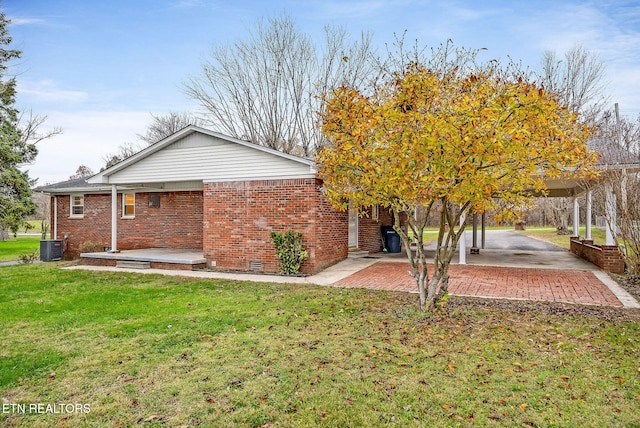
x: 392, y: 241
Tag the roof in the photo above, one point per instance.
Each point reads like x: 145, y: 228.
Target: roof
x: 195, y: 153
x: 74, y: 185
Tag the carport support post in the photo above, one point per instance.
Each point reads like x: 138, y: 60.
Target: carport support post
x: 474, y: 247
x: 611, y: 214
x: 587, y: 234
x: 483, y: 230
x: 576, y: 217
x: 462, y: 255
x: 114, y: 218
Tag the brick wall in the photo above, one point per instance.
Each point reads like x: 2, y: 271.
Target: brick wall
x: 606, y: 257
x: 369, y: 238
x: 230, y: 221
x: 177, y: 223
x: 239, y: 217
x: 369, y: 229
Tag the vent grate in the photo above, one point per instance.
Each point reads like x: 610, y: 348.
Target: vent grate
x: 255, y: 265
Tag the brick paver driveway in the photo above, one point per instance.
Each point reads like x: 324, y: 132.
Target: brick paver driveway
x: 570, y: 286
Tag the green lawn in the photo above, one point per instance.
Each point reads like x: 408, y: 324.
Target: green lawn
x: 549, y: 234
x: 148, y: 350
x: 15, y: 247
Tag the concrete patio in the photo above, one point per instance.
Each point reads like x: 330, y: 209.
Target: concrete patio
x: 168, y: 258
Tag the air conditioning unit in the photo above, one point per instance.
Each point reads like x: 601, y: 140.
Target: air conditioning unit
x: 51, y: 250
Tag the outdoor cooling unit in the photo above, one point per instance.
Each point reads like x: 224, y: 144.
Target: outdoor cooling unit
x: 51, y: 250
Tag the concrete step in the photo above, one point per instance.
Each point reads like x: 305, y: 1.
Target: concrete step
x: 355, y: 254
x: 128, y: 264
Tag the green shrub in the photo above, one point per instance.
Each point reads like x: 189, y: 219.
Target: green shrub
x: 289, y: 251
x: 91, y: 247
x: 30, y: 257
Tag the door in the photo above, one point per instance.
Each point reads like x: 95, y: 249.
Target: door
x: 353, y: 227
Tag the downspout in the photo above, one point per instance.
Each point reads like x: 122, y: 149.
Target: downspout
x: 114, y: 218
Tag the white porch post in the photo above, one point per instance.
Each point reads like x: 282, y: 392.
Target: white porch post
x: 55, y: 217
x: 610, y: 214
x: 462, y: 255
x: 114, y: 218
x: 587, y: 234
x: 576, y: 217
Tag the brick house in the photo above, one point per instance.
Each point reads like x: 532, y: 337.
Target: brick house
x: 204, y: 191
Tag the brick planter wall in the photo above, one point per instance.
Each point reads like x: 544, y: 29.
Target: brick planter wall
x: 177, y: 223
x: 239, y: 217
x: 606, y: 257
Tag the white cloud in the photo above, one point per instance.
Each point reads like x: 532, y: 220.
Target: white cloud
x: 26, y: 21
x: 47, y: 91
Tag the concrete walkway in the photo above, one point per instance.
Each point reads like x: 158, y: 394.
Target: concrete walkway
x: 591, y: 287
x: 512, y: 266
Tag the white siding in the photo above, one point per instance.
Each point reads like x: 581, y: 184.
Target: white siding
x: 206, y: 158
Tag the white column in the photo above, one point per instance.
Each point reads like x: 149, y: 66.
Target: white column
x: 588, y: 215
x: 610, y: 214
x: 55, y: 217
x: 462, y: 255
x: 576, y: 217
x: 114, y: 218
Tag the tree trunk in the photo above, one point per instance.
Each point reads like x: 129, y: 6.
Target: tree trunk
x: 430, y: 290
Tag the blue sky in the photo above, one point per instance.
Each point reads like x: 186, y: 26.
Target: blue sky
x: 98, y: 69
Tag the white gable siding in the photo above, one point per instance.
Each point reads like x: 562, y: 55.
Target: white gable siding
x: 206, y: 158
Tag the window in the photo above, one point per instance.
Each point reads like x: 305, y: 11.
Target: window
x: 77, y: 206
x: 375, y: 212
x: 128, y: 205
x: 154, y: 201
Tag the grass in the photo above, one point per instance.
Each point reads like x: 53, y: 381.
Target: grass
x: 15, y: 247
x: 549, y: 234
x: 163, y: 351
x: 431, y: 234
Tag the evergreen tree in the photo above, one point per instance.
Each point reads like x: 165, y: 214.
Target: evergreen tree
x: 15, y: 149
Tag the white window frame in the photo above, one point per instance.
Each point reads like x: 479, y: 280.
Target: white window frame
x: 375, y: 212
x: 72, y: 206
x: 124, y: 205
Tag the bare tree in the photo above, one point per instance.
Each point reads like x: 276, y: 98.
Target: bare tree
x: 578, y: 80
x: 124, y: 151
x: 617, y: 139
x: 267, y: 89
x: 83, y: 171
x: 30, y: 128
x: 161, y: 127
x: 168, y: 124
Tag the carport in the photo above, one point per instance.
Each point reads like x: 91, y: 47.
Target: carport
x: 583, y: 247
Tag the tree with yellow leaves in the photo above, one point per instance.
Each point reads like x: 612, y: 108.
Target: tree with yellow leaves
x: 459, y: 137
